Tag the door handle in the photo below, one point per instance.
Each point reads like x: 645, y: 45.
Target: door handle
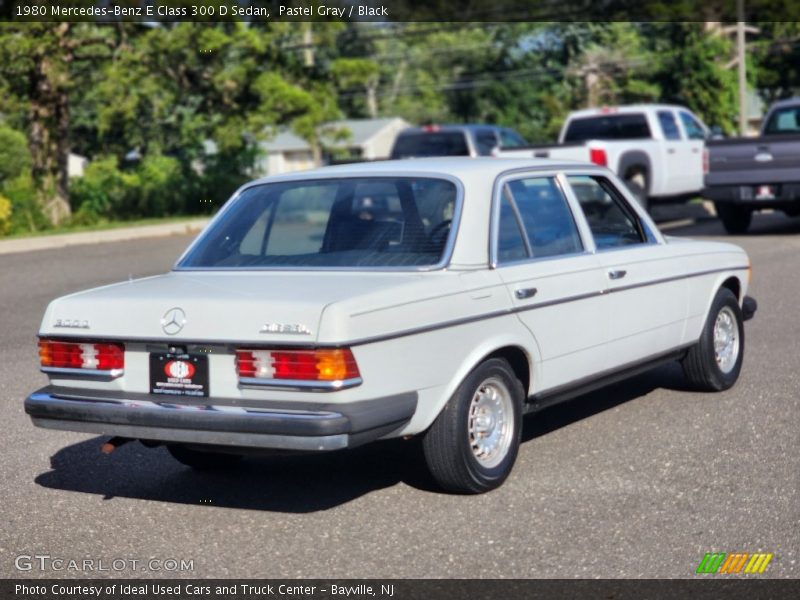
x: 524, y: 293
x: 695, y: 150
x: 671, y: 151
x: 618, y: 274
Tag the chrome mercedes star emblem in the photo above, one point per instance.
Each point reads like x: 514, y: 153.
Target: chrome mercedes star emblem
x: 173, y: 321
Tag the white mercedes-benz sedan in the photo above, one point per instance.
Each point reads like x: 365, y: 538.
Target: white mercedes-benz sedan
x: 440, y: 298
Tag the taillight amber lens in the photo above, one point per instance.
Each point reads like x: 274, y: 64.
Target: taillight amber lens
x: 337, y: 364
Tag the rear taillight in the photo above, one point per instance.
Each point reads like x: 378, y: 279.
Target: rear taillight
x: 322, y: 365
x: 598, y: 156
x: 705, y: 161
x: 88, y: 356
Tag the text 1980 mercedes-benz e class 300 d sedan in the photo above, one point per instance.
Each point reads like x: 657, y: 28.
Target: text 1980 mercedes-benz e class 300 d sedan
x: 443, y: 298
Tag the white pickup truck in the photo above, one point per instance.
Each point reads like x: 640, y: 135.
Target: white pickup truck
x: 658, y: 150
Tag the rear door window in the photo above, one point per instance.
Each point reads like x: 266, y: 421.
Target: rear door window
x: 486, y: 141
x: 669, y: 125
x: 546, y: 217
x: 630, y: 126
x: 612, y: 221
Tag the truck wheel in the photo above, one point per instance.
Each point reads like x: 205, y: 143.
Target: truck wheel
x: 735, y: 218
x: 203, y: 461
x: 472, y: 445
x: 637, y: 184
x: 714, y: 363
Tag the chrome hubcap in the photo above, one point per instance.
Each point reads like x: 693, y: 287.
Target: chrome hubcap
x: 491, y: 422
x: 726, y: 340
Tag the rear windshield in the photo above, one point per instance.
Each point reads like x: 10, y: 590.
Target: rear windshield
x: 434, y: 143
x: 331, y: 223
x: 608, y: 127
x: 783, y: 121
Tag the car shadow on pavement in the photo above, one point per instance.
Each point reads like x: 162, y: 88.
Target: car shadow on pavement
x: 668, y: 376
x: 294, y: 483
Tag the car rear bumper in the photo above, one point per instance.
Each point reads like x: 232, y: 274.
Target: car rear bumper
x: 268, y: 425
x: 784, y: 194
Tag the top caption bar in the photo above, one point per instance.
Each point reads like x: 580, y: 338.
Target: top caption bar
x: 165, y: 11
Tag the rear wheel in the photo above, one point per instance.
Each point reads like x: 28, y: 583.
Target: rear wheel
x: 472, y: 445
x: 714, y: 363
x: 735, y: 218
x: 203, y: 461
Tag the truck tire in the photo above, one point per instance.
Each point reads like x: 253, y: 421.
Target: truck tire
x: 636, y: 181
x: 473, y: 443
x: 202, y: 461
x: 713, y: 364
x: 735, y: 217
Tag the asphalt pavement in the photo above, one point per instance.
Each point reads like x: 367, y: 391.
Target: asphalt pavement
x: 639, y: 479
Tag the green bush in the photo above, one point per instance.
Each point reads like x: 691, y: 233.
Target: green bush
x: 15, y: 158
x: 26, y: 212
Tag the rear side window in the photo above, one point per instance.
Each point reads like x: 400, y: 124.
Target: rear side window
x: 631, y: 126
x: 435, y: 143
x: 612, y: 221
x: 669, y: 125
x: 546, y: 217
x: 510, y: 243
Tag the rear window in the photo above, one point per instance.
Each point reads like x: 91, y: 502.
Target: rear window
x: 608, y: 127
x: 784, y: 121
x: 341, y: 223
x: 435, y: 143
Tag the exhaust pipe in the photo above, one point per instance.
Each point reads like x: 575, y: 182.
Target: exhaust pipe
x: 113, y: 444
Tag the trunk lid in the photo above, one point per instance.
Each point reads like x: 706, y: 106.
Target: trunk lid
x: 260, y: 307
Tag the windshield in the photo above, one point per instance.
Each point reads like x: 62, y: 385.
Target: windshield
x: 783, y: 121
x: 339, y: 223
x: 631, y: 126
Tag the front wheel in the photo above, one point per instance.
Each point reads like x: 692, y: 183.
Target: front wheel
x: 472, y: 445
x: 714, y: 363
x: 735, y: 218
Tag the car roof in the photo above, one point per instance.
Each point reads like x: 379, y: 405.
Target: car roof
x: 602, y: 111
x: 461, y: 167
x: 433, y: 128
x: 786, y: 102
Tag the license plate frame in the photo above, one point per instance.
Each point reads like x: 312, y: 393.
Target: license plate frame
x: 178, y: 374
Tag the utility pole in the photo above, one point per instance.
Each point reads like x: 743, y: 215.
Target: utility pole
x: 308, y: 45
x: 740, y: 55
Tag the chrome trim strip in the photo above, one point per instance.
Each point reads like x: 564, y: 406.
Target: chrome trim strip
x: 299, y: 384
x: 93, y: 373
x: 443, y: 263
x: 426, y: 328
x: 189, y: 436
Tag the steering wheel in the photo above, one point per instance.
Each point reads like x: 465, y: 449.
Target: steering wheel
x: 440, y: 230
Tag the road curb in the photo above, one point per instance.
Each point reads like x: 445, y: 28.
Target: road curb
x: 62, y: 240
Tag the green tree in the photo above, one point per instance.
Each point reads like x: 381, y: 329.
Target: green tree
x: 38, y: 62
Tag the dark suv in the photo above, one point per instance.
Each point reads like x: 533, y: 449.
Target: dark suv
x: 454, y: 140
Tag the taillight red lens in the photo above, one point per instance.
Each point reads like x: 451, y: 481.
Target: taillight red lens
x: 705, y: 161
x: 81, y: 355
x: 304, y: 365
x: 598, y: 156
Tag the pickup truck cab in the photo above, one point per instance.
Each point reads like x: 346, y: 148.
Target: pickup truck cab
x: 454, y: 140
x: 656, y: 149
x: 750, y: 174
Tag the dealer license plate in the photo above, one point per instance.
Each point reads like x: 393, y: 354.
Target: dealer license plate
x: 178, y: 374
